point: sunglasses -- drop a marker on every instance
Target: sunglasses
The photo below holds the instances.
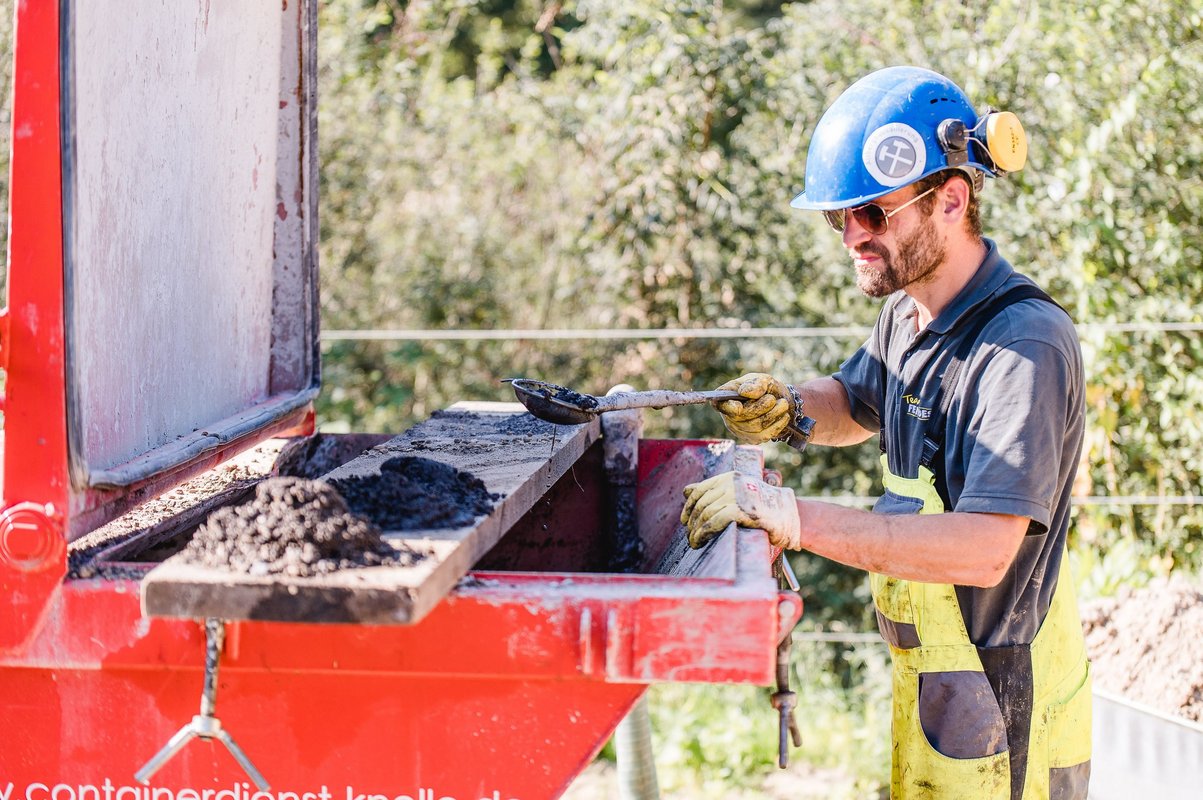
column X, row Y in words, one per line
column 872, row 217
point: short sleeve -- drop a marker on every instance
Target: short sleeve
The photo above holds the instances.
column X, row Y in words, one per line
column 860, row 376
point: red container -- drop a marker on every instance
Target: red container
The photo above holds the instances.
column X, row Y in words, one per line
column 162, row 317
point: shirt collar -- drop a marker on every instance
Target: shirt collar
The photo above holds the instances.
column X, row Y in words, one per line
column 991, row 274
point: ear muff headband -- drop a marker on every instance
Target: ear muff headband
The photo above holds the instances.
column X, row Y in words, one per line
column 1004, row 140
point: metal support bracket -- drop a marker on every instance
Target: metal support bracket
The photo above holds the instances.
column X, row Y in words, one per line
column 785, row 572
column 785, row 700
column 205, row 725
column 621, row 431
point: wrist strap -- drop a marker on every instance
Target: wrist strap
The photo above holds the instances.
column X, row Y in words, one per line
column 798, row 418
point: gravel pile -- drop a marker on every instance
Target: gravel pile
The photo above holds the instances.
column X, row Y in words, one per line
column 412, row 493
column 294, row 527
column 1147, row 646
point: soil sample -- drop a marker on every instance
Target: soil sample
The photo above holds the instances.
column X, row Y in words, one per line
column 148, row 533
column 411, row 493
column 313, row 456
column 293, row 527
column 584, row 402
column 552, row 391
column 1147, row 646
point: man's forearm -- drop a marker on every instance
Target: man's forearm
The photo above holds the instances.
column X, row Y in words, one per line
column 959, row 548
column 826, row 402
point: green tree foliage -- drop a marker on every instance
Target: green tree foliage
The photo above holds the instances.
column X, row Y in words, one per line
column 640, row 177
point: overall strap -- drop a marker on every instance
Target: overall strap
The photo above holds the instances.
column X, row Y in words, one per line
column 887, row 331
column 933, row 437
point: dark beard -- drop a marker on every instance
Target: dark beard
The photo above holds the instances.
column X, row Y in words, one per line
column 919, row 255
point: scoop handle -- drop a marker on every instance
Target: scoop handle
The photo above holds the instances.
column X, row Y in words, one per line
column 659, row 398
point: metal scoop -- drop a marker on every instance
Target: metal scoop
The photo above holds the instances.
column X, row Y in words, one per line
column 553, row 403
column 563, row 406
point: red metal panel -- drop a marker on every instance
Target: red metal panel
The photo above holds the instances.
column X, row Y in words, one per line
column 337, row 736
column 41, row 502
column 653, row 453
column 511, row 685
column 32, row 542
column 638, row 628
column 664, row 471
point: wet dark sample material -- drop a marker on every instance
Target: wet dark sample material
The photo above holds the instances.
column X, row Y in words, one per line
column 585, row 402
column 314, row 456
column 293, row 527
column 562, row 394
column 412, row 493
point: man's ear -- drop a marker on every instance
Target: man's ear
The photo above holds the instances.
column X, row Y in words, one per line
column 952, row 200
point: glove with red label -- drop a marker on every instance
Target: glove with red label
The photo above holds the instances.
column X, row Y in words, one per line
column 713, row 504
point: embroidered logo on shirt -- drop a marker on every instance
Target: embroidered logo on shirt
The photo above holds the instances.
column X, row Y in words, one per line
column 912, row 407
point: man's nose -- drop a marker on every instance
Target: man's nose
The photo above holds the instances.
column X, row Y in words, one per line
column 854, row 232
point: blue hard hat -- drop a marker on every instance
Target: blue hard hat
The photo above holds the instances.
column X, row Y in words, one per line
column 884, row 132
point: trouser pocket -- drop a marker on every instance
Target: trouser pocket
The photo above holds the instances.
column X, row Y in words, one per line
column 959, row 715
column 951, row 741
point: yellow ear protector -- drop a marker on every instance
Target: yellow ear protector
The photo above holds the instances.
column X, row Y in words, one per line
column 999, row 133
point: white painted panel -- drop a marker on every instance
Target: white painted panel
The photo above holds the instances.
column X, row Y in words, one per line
column 174, row 205
column 296, row 225
column 1139, row 752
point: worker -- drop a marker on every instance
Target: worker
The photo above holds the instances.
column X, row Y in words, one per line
column 972, row 377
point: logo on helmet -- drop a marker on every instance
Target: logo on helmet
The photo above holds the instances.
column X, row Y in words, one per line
column 894, row 154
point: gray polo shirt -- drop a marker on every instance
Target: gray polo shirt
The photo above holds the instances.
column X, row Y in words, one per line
column 1013, row 434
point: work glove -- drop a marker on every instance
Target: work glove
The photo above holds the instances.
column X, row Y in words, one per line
column 713, row 504
column 763, row 414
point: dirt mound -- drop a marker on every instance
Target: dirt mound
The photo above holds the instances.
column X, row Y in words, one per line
column 413, row 493
column 314, row 456
column 1147, row 645
column 294, row 527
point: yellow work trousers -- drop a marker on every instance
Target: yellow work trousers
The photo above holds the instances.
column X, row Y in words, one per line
column 959, row 729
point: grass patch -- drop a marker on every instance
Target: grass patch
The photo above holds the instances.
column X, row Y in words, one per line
column 714, row 741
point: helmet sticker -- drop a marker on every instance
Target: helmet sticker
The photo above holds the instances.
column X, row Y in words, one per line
column 894, row 154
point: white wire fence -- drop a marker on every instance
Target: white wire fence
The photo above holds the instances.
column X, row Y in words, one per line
column 807, row 332
column 602, row 334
